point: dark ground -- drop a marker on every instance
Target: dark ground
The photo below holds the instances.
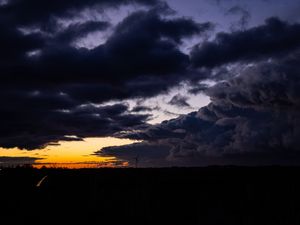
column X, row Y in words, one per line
column 208, row 196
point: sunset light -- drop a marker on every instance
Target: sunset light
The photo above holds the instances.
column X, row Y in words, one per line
column 74, row 154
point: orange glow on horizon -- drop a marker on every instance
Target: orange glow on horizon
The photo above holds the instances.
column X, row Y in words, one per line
column 71, row 154
column 91, row 165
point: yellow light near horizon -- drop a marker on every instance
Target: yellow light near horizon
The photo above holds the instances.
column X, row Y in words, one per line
column 70, row 151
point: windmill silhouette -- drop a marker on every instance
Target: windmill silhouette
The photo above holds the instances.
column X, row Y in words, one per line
column 136, row 159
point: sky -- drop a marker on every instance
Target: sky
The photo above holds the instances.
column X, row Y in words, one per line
column 173, row 83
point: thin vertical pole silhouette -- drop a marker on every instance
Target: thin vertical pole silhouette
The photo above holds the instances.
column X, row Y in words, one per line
column 136, row 161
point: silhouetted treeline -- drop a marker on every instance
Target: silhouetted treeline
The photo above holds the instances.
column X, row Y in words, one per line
column 168, row 196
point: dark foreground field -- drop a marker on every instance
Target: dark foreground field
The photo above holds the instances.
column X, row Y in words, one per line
column 218, row 195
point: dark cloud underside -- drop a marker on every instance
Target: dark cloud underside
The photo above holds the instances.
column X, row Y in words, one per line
column 273, row 39
column 10, row 161
column 252, row 119
column 50, row 95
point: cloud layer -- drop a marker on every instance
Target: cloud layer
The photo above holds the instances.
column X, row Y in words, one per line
column 51, row 89
column 252, row 119
column 15, row 161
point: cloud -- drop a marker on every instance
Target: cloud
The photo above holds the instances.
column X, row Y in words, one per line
column 141, row 108
column 253, row 119
column 51, row 89
column 79, row 30
column 14, row 45
column 270, row 40
column 179, row 101
column 197, row 88
column 9, row 161
column 143, row 44
column 33, row 129
column 148, row 154
column 27, row 12
column 244, row 14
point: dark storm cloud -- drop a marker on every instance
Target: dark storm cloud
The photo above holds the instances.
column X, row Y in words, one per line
column 35, row 128
column 148, row 154
column 6, row 161
column 253, row 119
column 14, row 44
column 48, row 87
column 268, row 86
column 28, row 12
column 36, row 113
column 144, row 43
column 273, row 39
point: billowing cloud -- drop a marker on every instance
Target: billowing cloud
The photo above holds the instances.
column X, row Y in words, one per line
column 253, row 119
column 34, row 129
column 141, row 51
column 270, row 40
column 52, row 90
